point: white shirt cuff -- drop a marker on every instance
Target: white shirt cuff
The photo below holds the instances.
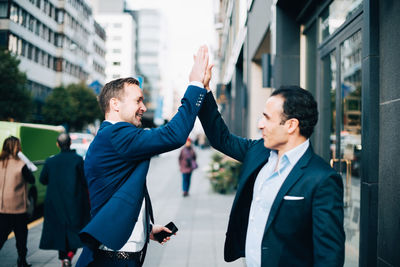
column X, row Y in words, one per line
column 198, row 84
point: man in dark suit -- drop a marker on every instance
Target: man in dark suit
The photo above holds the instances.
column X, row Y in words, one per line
column 288, row 209
column 116, row 166
column 66, row 208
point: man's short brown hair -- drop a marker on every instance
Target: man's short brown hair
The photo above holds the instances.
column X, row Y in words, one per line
column 113, row 89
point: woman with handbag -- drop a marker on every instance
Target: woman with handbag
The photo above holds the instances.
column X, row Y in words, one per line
column 187, row 163
column 14, row 179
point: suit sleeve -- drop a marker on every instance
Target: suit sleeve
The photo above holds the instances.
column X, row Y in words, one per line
column 218, row 133
column 328, row 232
column 137, row 144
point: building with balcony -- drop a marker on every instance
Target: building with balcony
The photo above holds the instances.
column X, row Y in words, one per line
column 52, row 39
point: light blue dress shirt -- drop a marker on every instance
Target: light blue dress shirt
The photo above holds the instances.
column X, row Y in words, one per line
column 266, row 187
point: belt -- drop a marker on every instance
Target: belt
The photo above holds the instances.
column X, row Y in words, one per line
column 122, row 255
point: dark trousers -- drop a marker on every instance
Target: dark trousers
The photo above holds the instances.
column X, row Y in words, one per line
column 186, row 181
column 100, row 261
column 18, row 224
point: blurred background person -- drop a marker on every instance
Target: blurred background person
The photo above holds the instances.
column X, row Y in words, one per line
column 187, row 163
column 66, row 207
column 14, row 179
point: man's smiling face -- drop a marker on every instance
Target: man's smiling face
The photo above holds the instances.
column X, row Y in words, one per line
column 131, row 106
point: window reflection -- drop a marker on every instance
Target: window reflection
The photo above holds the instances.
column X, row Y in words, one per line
column 345, row 131
column 350, row 146
column 335, row 15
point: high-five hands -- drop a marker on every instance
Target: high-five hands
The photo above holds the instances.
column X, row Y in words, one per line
column 207, row 77
column 200, row 65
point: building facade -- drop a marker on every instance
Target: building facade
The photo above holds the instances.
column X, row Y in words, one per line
column 150, row 44
column 346, row 53
column 52, row 39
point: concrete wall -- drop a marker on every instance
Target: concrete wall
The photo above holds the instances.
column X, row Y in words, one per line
column 257, row 100
column 259, row 18
column 389, row 151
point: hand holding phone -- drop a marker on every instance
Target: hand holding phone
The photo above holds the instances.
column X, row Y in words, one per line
column 161, row 235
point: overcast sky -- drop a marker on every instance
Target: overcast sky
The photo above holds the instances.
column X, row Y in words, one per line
column 190, row 23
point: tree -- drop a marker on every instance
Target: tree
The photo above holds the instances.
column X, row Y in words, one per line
column 15, row 100
column 58, row 107
column 84, row 104
column 74, row 106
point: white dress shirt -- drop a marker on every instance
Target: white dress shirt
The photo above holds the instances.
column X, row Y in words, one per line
column 266, row 187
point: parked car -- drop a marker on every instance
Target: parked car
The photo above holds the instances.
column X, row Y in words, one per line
column 38, row 142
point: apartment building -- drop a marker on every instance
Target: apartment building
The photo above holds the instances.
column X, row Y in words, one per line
column 54, row 41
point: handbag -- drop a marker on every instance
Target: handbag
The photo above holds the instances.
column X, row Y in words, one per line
column 194, row 164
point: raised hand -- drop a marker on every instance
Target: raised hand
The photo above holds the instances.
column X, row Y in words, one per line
column 208, row 76
column 200, row 65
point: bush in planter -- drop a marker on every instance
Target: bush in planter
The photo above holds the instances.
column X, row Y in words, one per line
column 224, row 173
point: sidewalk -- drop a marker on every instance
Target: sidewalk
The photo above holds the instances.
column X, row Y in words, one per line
column 201, row 218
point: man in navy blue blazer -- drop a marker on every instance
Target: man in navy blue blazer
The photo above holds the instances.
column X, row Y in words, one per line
column 116, row 166
column 288, row 209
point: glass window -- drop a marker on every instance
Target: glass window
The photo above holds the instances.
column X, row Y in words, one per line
column 19, row 48
column 13, row 13
column 3, row 39
column 23, row 52
column 12, row 43
column 335, row 15
column 341, row 83
column 30, row 49
column 60, row 16
column 3, row 9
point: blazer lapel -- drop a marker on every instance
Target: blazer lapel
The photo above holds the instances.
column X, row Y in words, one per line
column 295, row 174
column 260, row 158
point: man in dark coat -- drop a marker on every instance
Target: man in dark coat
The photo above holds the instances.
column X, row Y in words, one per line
column 66, row 208
column 288, row 208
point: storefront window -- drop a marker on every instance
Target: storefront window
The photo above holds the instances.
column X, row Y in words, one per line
column 342, row 85
column 335, row 15
column 350, row 138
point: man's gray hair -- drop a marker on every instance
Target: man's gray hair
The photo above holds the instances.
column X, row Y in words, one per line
column 64, row 141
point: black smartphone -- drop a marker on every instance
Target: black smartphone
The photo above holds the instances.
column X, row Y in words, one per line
column 161, row 235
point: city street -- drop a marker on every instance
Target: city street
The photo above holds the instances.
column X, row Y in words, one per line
column 201, row 218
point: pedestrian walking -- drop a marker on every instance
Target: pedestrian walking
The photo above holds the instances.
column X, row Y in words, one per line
column 14, row 178
column 66, row 207
column 187, row 163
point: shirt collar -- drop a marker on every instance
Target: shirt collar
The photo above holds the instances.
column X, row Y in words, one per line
column 296, row 153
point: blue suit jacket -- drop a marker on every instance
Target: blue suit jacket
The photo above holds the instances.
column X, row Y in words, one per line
column 116, row 166
column 306, row 232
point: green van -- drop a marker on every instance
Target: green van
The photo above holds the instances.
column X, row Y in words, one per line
column 38, row 142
